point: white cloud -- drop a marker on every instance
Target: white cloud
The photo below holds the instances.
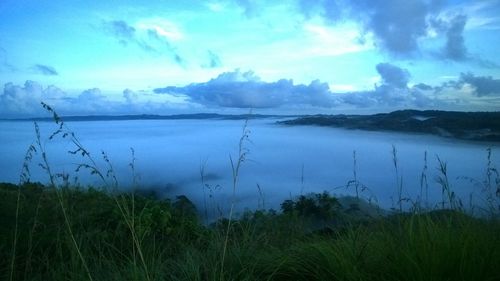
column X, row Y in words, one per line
column 24, row 101
column 216, row 6
column 164, row 28
column 342, row 88
column 481, row 14
column 332, row 41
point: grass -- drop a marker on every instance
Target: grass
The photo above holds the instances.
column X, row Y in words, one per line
column 63, row 232
column 312, row 238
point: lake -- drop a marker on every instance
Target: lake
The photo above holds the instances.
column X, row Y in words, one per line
column 282, row 161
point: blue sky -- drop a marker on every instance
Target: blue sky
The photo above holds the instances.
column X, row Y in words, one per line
column 296, row 56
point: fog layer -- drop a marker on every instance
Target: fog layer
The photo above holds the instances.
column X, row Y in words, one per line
column 282, row 162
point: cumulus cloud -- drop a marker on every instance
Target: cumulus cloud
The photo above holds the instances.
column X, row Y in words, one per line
column 483, row 85
column 45, row 70
column 246, row 90
column 149, row 40
column 91, row 98
column 452, row 28
column 394, row 91
column 478, row 86
column 239, row 89
column 387, row 96
column 26, row 99
column 455, row 44
column 392, row 75
column 397, row 25
column 130, row 96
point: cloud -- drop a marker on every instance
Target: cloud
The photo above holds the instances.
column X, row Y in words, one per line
column 121, row 30
column 392, row 75
column 245, row 90
column 486, row 63
column 26, row 99
column 387, row 96
column 130, row 96
column 151, row 40
column 483, row 85
column 239, row 89
column 309, row 7
column 93, row 94
column 125, row 33
column 394, row 91
column 455, row 44
column 213, row 60
column 162, row 43
column 397, row 25
column 423, row 87
column 45, row 70
column 453, row 27
column 250, row 7
column 329, row 9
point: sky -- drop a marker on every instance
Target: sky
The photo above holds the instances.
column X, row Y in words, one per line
column 230, row 56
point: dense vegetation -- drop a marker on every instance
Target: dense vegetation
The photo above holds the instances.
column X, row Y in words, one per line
column 482, row 126
column 312, row 238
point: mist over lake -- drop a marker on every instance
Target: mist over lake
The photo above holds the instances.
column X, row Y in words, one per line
column 283, row 161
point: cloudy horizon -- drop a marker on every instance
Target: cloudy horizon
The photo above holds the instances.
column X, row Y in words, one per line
column 291, row 57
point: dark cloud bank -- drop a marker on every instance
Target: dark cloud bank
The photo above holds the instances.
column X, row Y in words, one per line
column 483, row 85
column 397, row 25
column 246, row 90
column 239, row 89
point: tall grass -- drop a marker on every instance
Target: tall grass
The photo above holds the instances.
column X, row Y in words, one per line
column 424, row 185
column 25, row 175
column 235, row 169
column 399, row 178
column 45, row 165
column 492, row 184
column 109, row 179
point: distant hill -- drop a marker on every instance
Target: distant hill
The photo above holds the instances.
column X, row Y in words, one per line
column 198, row 116
column 479, row 126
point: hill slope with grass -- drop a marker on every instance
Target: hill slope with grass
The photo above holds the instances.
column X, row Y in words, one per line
column 477, row 126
